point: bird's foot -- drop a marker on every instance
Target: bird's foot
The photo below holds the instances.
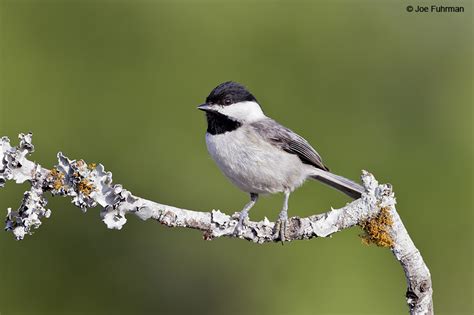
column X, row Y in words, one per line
column 280, row 230
column 240, row 225
column 238, row 229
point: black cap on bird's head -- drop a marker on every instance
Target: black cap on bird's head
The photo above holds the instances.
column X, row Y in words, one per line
column 229, row 93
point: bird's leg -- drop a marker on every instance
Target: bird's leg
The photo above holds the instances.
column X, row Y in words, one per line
column 245, row 213
column 282, row 222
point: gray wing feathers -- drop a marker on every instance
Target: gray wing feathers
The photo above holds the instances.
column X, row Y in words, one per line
column 289, row 141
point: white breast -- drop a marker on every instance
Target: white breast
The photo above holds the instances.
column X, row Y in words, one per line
column 255, row 165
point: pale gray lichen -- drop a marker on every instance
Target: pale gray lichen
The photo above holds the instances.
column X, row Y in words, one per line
column 113, row 218
column 5, row 172
column 14, row 164
column 29, row 214
column 145, row 212
column 264, row 228
column 77, row 179
column 88, row 185
column 120, row 202
column 218, row 217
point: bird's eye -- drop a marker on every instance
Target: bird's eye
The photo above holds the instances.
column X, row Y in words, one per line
column 227, row 101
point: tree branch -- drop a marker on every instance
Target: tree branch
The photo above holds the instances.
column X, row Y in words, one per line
column 90, row 185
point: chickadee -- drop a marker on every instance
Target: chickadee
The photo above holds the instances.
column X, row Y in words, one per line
column 259, row 155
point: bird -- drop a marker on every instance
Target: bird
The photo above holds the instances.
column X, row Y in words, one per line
column 261, row 156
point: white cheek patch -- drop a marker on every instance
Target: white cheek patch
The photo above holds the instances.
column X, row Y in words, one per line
column 243, row 111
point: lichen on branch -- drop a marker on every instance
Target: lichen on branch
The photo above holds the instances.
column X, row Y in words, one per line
column 377, row 229
column 89, row 185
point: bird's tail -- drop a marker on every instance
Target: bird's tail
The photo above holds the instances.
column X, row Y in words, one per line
column 340, row 183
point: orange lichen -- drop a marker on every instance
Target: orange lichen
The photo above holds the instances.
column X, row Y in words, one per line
column 377, row 229
column 85, row 187
column 57, row 178
column 91, row 166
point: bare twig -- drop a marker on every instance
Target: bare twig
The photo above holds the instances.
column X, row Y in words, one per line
column 89, row 185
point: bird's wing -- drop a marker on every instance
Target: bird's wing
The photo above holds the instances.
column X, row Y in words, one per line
column 289, row 141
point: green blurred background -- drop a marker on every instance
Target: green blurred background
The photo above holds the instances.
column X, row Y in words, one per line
column 368, row 84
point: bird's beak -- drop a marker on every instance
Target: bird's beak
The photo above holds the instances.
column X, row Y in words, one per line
column 205, row 107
